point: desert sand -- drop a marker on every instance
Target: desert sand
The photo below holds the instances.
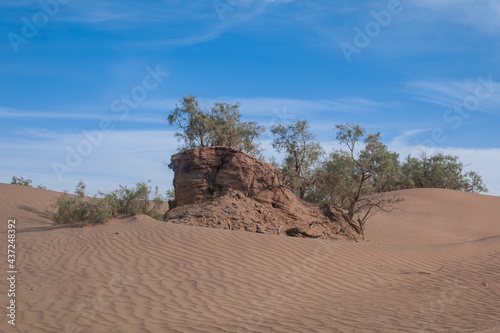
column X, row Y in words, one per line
column 431, row 266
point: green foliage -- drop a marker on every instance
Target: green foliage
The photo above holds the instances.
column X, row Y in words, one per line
column 75, row 209
column 382, row 164
column 170, row 195
column 303, row 156
column 155, row 211
column 440, row 171
column 131, row 201
column 25, row 182
column 193, row 121
column 364, row 155
column 353, row 177
column 21, row 181
column 338, row 179
column 219, row 125
column 80, row 189
column 134, row 201
column 172, row 203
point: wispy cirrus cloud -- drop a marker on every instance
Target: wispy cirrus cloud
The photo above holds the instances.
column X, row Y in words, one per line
column 264, row 106
column 140, row 115
column 268, row 111
column 482, row 14
column 449, row 93
column 426, row 26
column 169, row 18
column 17, row 113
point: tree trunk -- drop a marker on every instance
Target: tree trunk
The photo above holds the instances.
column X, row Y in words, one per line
column 355, row 200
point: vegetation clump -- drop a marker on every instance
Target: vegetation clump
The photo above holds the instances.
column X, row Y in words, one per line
column 354, row 178
column 217, row 125
column 25, row 182
column 80, row 208
column 351, row 180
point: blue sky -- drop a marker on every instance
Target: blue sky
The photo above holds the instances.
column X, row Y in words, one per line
column 87, row 85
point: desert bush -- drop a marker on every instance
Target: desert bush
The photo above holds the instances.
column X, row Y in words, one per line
column 135, row 200
column 80, row 208
column 77, row 209
column 25, row 182
column 171, row 199
column 157, row 203
column 21, row 181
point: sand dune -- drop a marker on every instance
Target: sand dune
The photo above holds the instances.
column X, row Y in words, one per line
column 431, row 266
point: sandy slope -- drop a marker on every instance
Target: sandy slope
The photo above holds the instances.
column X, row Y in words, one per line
column 432, row 266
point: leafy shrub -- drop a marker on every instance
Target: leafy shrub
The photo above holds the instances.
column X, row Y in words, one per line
column 130, row 201
column 25, row 182
column 135, row 201
column 21, row 181
column 172, row 203
column 77, row 209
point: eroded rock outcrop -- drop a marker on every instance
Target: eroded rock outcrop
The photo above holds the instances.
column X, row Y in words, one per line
column 225, row 188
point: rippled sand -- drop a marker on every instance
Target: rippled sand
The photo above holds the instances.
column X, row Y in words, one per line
column 431, row 266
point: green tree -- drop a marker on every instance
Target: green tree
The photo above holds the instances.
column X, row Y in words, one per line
column 440, row 171
column 353, row 177
column 303, row 155
column 219, row 125
column 474, row 183
column 25, row 182
column 384, row 165
column 193, row 122
column 21, row 181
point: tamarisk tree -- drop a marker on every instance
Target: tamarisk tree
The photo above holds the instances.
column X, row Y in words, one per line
column 217, row 125
column 303, row 155
column 353, row 177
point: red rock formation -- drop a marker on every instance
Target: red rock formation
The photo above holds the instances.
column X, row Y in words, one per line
column 225, row 188
column 204, row 173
